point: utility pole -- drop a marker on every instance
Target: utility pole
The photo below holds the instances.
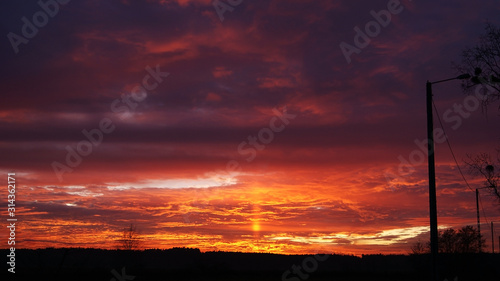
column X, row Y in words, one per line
column 492, row 239
column 478, row 222
column 432, row 184
column 432, row 175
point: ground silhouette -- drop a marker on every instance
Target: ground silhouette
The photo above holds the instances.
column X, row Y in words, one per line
column 191, row 264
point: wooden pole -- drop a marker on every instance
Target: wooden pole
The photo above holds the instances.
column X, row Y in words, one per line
column 492, row 239
column 478, row 221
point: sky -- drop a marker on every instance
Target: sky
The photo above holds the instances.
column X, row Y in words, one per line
column 288, row 127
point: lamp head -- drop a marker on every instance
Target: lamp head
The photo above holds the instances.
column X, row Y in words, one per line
column 463, row 76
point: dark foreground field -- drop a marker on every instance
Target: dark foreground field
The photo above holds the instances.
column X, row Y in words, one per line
column 190, row 264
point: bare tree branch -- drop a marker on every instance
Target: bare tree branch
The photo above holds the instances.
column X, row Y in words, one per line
column 130, row 238
column 481, row 165
column 485, row 56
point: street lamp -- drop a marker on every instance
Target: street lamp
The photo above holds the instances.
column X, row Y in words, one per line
column 432, row 173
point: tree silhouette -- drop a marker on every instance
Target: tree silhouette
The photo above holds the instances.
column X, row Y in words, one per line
column 469, row 240
column 465, row 240
column 481, row 165
column 483, row 61
column 448, row 241
column 130, row 238
column 419, row 248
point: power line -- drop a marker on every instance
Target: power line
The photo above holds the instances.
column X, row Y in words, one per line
column 455, row 159
column 451, row 150
column 481, row 204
